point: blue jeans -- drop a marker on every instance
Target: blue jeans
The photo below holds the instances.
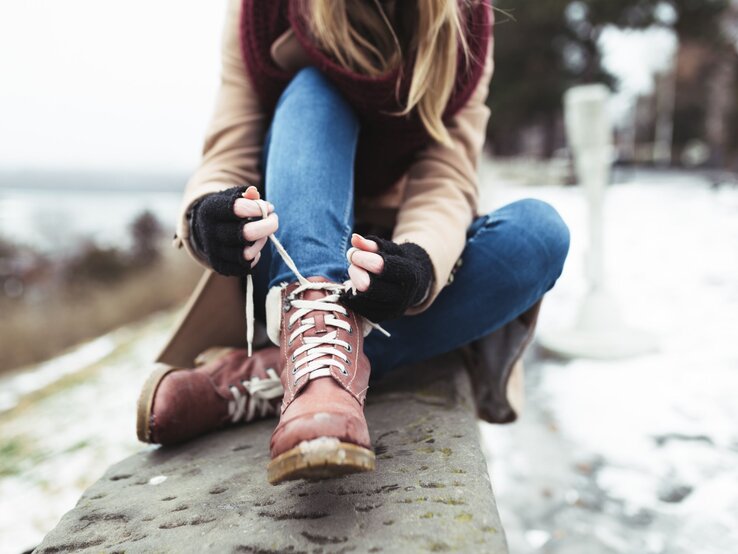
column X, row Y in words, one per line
column 512, row 255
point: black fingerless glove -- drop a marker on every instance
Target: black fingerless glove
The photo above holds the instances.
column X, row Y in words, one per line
column 217, row 232
column 404, row 282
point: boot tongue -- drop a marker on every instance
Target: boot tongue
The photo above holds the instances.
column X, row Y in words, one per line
column 316, row 294
column 312, row 294
column 319, row 316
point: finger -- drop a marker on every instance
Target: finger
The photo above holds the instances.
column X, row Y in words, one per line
column 250, row 252
column 256, row 259
column 256, row 230
column 252, row 193
column 243, row 207
column 359, row 278
column 364, row 244
column 373, row 263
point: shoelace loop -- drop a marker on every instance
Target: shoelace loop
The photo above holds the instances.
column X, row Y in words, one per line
column 258, row 399
column 332, row 299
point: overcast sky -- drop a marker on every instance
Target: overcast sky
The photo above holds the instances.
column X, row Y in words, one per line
column 129, row 84
column 107, row 84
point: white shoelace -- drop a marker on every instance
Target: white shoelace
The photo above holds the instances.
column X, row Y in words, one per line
column 319, row 347
column 319, row 350
column 259, row 397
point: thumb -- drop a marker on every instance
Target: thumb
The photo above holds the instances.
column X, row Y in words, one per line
column 252, row 193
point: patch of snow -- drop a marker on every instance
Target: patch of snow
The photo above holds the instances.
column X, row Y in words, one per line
column 537, row 538
column 318, row 445
column 27, row 381
column 67, row 440
column 649, row 445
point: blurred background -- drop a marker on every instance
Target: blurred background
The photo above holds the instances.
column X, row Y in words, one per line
column 103, row 106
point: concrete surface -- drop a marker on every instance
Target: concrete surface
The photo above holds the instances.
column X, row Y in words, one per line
column 430, row 493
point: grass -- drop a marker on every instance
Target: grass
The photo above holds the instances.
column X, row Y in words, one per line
column 33, row 333
column 16, row 455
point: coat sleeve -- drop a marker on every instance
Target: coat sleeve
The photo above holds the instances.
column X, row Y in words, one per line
column 233, row 143
column 441, row 191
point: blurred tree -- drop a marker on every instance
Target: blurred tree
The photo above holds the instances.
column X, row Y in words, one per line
column 95, row 263
column 20, row 266
column 706, row 78
column 146, row 232
column 543, row 48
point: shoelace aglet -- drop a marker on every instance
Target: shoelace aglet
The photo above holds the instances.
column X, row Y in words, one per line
column 379, row 328
column 249, row 314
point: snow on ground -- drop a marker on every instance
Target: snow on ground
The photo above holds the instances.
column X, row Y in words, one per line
column 635, row 456
column 57, row 442
column 34, row 379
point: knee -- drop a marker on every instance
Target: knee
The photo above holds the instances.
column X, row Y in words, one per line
column 541, row 233
column 543, row 221
column 310, row 89
column 308, row 78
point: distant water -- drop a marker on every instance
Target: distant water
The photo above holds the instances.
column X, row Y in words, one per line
column 54, row 212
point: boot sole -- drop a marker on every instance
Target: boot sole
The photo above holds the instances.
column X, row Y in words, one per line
column 146, row 402
column 322, row 458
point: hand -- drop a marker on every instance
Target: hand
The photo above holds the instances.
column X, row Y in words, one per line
column 364, row 261
column 229, row 230
column 387, row 278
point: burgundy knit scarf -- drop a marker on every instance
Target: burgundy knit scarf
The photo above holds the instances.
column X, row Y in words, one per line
column 387, row 144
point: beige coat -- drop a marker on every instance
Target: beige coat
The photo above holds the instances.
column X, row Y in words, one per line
column 432, row 205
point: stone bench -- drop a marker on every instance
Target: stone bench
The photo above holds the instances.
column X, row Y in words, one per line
column 430, row 492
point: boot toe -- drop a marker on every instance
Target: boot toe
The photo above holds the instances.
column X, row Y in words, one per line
column 345, row 427
column 174, row 415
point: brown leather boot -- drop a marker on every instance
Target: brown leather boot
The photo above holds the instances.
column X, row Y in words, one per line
column 322, row 431
column 228, row 387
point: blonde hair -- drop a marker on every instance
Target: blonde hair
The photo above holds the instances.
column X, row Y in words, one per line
column 359, row 34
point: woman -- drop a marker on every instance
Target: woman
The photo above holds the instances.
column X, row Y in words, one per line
column 350, row 116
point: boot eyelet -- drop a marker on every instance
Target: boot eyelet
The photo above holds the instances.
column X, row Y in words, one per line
column 293, row 358
column 294, row 370
column 348, row 361
column 348, row 348
column 344, row 371
column 350, row 330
